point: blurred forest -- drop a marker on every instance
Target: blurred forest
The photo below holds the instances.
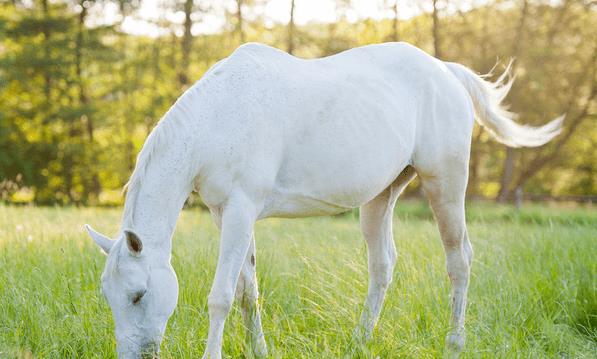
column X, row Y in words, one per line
column 78, row 97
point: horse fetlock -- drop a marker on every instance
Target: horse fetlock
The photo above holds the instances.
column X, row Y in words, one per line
column 364, row 330
column 259, row 346
column 455, row 340
column 361, row 334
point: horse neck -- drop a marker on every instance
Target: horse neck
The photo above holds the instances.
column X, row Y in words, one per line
column 159, row 195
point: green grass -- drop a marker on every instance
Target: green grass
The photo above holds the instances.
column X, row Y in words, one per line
column 532, row 293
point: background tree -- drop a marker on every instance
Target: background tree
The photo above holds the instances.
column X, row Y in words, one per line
column 508, row 167
column 239, row 21
column 436, row 30
column 77, row 98
column 186, row 42
column 291, row 29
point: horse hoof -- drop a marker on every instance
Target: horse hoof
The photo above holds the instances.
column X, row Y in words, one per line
column 455, row 342
column 360, row 335
column 260, row 349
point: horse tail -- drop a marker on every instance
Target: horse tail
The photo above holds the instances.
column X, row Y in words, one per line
column 490, row 113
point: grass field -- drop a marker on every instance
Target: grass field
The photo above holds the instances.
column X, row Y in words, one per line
column 533, row 292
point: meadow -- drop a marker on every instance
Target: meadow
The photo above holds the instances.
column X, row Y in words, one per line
column 532, row 295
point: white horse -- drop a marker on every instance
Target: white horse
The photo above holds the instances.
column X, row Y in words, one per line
column 265, row 134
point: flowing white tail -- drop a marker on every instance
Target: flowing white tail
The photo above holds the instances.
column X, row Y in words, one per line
column 492, row 115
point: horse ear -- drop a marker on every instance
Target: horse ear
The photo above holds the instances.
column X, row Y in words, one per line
column 102, row 241
column 133, row 242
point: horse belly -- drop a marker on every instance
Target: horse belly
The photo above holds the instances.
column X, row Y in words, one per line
column 326, row 180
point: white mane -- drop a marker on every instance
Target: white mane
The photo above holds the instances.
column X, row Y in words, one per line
column 163, row 134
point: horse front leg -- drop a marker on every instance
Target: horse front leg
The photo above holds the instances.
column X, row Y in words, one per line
column 238, row 218
column 247, row 295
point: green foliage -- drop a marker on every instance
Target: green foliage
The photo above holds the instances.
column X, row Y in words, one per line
column 77, row 101
column 532, row 292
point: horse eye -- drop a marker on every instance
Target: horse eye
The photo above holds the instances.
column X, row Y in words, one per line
column 137, row 297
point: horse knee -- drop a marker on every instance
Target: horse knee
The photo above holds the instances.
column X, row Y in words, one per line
column 219, row 305
column 382, row 272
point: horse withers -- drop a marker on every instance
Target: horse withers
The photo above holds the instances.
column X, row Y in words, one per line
column 265, row 134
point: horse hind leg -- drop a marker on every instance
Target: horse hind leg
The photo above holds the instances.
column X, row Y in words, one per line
column 445, row 190
column 376, row 224
column 247, row 295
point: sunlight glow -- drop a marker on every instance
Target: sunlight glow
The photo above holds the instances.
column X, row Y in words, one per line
column 152, row 13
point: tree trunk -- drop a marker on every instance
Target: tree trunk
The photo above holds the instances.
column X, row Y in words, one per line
column 186, row 43
column 558, row 22
column 47, row 54
column 291, row 29
column 436, row 36
column 239, row 21
column 518, row 39
column 94, row 187
column 507, row 174
column 128, row 125
column 395, row 36
column 128, row 128
column 508, row 167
